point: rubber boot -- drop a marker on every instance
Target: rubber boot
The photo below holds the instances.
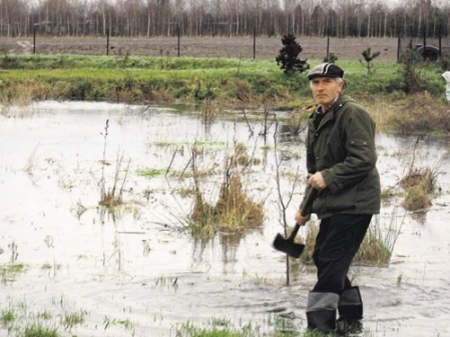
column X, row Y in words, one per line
column 321, row 311
column 323, row 321
column 350, row 305
column 350, row 309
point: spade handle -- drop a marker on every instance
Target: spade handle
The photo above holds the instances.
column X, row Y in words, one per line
column 309, row 199
column 294, row 232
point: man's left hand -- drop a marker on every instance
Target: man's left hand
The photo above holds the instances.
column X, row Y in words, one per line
column 317, row 181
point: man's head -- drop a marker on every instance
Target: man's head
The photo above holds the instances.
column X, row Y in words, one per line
column 326, row 83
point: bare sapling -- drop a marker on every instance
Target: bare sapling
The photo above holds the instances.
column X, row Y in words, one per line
column 283, row 203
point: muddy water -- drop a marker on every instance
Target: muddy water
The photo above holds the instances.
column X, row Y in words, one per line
column 136, row 266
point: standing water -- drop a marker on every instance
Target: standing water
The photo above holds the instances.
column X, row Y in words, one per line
column 136, row 271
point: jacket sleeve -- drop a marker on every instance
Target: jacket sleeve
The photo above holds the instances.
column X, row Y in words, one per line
column 360, row 153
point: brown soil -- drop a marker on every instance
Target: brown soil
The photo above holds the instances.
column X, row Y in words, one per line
column 266, row 48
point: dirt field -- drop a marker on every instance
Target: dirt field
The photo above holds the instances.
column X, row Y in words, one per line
column 266, row 48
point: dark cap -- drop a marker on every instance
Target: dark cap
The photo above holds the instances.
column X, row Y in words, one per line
column 325, row 70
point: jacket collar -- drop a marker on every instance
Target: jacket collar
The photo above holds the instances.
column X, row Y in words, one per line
column 331, row 113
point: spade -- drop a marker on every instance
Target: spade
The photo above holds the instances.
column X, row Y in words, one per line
column 288, row 245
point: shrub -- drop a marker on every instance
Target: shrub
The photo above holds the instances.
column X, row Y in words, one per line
column 330, row 58
column 368, row 58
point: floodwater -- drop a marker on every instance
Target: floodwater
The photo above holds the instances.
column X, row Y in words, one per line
column 136, row 273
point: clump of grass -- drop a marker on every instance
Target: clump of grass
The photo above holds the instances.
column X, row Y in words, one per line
column 233, row 211
column 126, row 323
column 71, row 319
column 38, row 330
column 416, row 198
column 423, row 176
column 419, row 183
column 7, row 318
column 377, row 246
column 150, row 173
column 387, row 193
column 221, row 330
column 112, row 196
column 9, row 272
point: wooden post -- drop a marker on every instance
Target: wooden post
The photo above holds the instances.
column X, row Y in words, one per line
column 107, row 42
column 178, row 40
column 328, row 46
column 424, row 38
column 254, row 42
column 399, row 46
column 440, row 40
column 34, row 39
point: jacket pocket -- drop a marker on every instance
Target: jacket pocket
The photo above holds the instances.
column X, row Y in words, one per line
column 344, row 200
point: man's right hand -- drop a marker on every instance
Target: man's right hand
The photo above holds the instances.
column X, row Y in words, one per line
column 300, row 218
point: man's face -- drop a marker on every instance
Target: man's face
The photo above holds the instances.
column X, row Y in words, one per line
column 325, row 90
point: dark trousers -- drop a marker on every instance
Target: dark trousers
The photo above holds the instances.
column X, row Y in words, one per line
column 336, row 244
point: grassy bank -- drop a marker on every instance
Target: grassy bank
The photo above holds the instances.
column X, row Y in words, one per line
column 226, row 82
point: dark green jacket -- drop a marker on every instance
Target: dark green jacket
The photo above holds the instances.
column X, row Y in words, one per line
column 343, row 149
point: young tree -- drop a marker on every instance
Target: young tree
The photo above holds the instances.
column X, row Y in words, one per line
column 288, row 58
column 368, row 58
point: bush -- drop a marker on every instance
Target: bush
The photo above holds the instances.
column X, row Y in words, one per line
column 330, row 58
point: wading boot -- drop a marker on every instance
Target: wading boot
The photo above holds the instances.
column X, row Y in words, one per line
column 321, row 311
column 350, row 309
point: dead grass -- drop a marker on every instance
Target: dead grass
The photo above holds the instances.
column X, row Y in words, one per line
column 233, row 211
column 111, row 197
column 420, row 113
column 419, row 184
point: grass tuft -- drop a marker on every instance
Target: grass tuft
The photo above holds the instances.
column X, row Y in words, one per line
column 233, row 211
column 38, row 330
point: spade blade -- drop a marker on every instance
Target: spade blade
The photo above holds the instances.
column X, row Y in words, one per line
column 288, row 246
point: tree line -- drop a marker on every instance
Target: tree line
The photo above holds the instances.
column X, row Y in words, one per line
column 340, row 18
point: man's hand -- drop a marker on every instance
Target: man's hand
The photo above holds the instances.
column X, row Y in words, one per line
column 300, row 219
column 317, row 181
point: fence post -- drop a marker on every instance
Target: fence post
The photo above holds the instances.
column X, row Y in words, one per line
column 178, row 40
column 34, row 39
column 440, row 40
column 107, row 42
column 328, row 46
column 254, row 42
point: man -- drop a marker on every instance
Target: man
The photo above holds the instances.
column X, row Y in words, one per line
column 341, row 167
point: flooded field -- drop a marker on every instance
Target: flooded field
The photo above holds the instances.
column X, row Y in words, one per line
column 68, row 264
